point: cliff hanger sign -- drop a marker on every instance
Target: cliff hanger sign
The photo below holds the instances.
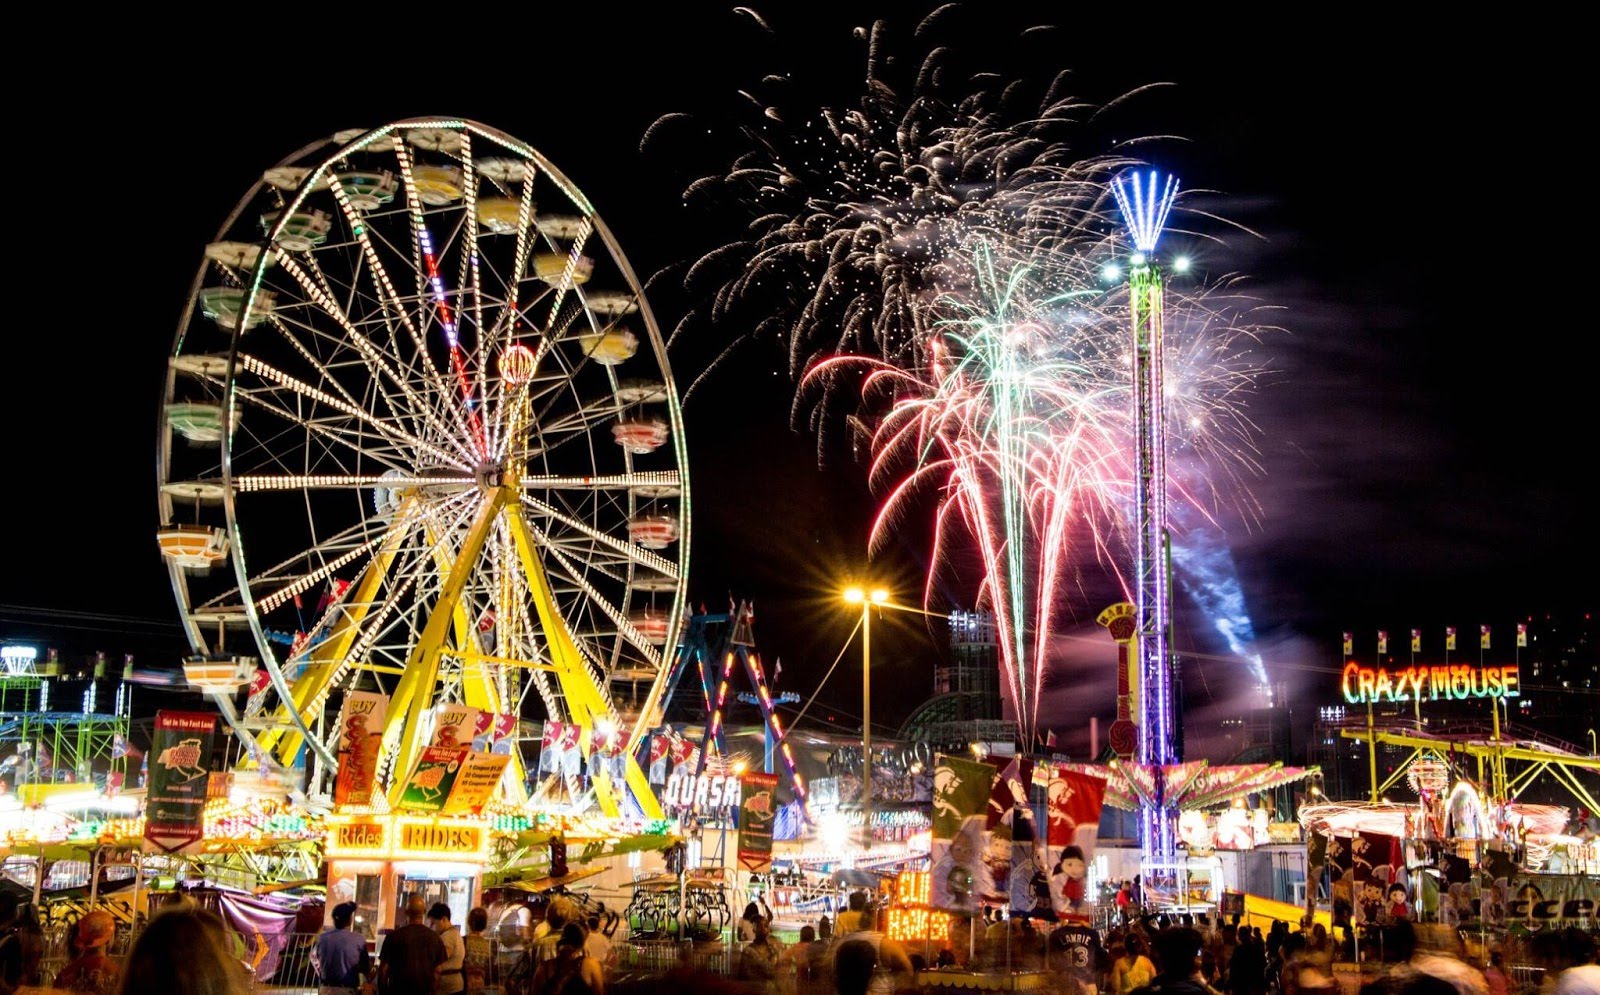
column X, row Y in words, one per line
column 1452, row 682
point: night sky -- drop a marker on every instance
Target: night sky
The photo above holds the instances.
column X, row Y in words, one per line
column 1428, row 432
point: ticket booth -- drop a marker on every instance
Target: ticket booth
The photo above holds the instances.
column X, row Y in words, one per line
column 379, row 861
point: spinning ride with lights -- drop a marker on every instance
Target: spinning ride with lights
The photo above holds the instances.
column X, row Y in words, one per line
column 420, row 437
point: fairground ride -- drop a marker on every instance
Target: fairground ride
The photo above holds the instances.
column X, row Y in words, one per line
column 419, row 424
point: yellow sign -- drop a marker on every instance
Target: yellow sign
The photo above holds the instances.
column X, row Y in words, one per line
column 409, row 838
column 359, row 839
column 435, row 840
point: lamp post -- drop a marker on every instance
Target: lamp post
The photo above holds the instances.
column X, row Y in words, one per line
column 859, row 596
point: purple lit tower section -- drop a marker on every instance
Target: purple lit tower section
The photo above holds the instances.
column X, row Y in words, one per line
column 1144, row 200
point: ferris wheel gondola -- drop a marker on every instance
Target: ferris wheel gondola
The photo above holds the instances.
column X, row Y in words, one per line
column 425, row 447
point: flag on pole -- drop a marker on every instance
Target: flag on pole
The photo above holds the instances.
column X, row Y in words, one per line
column 1050, row 736
column 1522, row 634
column 1483, row 637
column 1383, row 642
column 1416, row 640
column 1449, row 637
column 1349, row 643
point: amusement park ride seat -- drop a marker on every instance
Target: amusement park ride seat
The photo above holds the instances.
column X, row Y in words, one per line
column 193, row 547
column 218, row 671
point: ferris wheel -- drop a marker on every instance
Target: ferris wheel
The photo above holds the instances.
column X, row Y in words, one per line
column 420, row 437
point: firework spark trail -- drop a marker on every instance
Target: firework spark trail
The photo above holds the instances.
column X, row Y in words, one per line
column 1009, row 396
column 861, row 217
column 1024, row 438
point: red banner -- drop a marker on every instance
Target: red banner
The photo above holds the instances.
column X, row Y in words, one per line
column 1075, row 801
column 361, row 725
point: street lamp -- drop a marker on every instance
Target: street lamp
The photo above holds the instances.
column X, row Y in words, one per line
column 866, row 599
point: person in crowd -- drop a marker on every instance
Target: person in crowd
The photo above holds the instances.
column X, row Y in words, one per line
column 21, row 950
column 1133, row 969
column 570, row 971
column 805, row 958
column 183, row 951
column 91, row 970
column 1247, row 971
column 1581, row 976
column 477, row 960
column 1425, row 964
column 1178, row 949
column 855, row 965
column 342, row 959
column 824, row 928
column 854, row 919
column 891, row 966
column 598, row 946
column 408, row 963
column 748, row 920
column 452, row 973
column 557, row 915
column 1495, row 976
column 760, row 959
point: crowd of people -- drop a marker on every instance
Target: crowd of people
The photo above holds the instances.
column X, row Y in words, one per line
column 1158, row 955
column 185, row 949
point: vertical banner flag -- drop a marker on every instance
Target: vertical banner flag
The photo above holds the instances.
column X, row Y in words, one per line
column 1522, row 634
column 476, row 781
column 434, row 777
column 1383, row 642
column 1483, row 637
column 758, row 807
column 1012, row 835
column 549, row 747
column 492, row 732
column 454, row 725
column 1416, row 640
column 960, row 878
column 1449, row 637
column 1349, row 643
column 361, row 732
column 175, row 804
column 1075, row 801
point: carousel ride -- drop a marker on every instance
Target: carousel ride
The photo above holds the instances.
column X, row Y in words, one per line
column 421, row 444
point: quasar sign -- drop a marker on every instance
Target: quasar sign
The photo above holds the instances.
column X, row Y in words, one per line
column 707, row 793
column 1452, row 682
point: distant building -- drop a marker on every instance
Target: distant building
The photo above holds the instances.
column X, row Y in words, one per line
column 966, row 706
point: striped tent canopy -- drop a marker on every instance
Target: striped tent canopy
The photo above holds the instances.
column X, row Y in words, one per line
column 1193, row 785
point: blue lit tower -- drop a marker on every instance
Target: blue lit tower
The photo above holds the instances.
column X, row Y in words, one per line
column 1144, row 200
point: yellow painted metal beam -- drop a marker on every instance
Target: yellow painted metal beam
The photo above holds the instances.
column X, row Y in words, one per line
column 477, row 689
column 1479, row 748
column 422, row 666
column 584, row 699
column 325, row 657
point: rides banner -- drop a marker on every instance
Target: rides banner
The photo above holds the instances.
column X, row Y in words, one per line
column 180, row 762
column 758, row 807
column 361, row 730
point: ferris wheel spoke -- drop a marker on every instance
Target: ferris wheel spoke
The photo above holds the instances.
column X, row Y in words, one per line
column 636, row 554
column 305, row 391
column 374, row 362
column 389, row 298
column 614, row 481
column 332, row 437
